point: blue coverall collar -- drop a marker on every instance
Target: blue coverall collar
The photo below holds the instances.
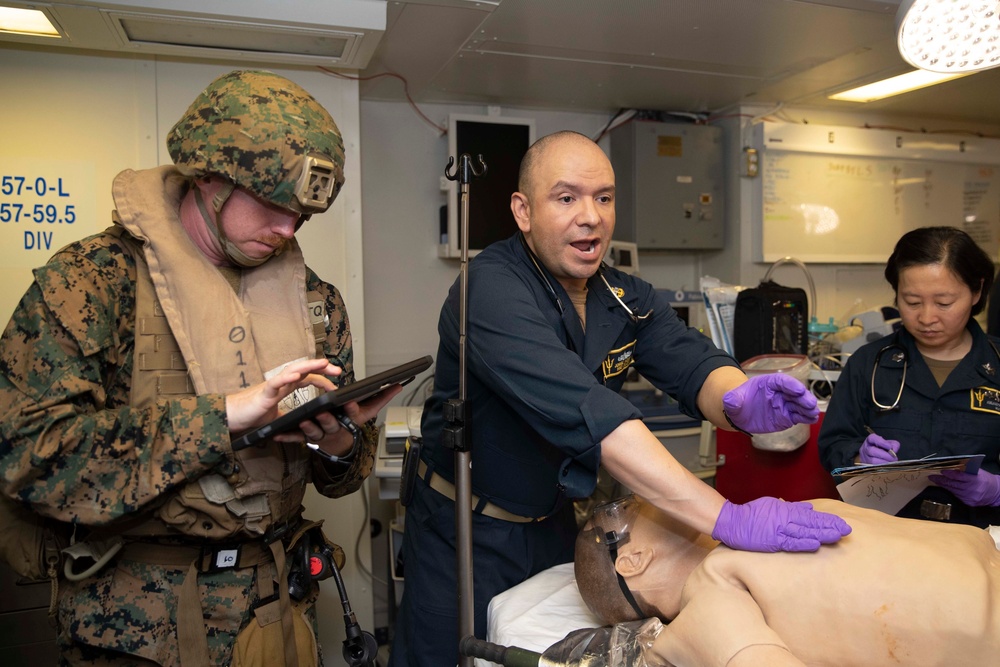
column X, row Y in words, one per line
column 981, row 361
column 592, row 346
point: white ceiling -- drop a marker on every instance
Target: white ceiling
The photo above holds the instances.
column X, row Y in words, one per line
column 696, row 56
column 334, row 33
column 688, row 56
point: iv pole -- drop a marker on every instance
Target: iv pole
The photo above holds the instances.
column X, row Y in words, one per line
column 455, row 434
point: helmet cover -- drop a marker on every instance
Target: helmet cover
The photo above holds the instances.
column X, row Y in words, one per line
column 267, row 135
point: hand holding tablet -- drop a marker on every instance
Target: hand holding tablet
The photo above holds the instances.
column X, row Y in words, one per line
column 333, row 402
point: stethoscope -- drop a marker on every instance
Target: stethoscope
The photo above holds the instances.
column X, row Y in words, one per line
column 555, row 297
column 899, row 354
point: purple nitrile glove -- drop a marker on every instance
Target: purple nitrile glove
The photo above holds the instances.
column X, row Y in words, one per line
column 770, row 403
column 877, row 449
column 769, row 524
column 979, row 490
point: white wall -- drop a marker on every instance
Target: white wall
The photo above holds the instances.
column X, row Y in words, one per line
column 86, row 117
column 403, row 159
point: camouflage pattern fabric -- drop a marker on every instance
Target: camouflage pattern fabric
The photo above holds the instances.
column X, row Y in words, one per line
column 139, row 597
column 256, row 128
column 72, row 449
column 138, row 600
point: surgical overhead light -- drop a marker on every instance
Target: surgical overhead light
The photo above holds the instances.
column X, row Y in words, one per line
column 949, row 36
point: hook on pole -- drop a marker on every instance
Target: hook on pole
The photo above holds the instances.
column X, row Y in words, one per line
column 466, row 170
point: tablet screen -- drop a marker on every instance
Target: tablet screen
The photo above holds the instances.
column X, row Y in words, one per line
column 332, row 401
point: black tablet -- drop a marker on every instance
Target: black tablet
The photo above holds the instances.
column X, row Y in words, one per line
column 331, row 401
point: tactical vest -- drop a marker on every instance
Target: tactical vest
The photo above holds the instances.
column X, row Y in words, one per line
column 264, row 485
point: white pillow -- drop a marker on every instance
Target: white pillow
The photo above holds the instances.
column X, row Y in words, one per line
column 538, row 612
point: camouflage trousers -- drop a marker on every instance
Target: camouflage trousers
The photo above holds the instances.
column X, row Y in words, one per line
column 127, row 614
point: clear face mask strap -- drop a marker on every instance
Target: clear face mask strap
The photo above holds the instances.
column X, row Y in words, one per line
column 612, row 540
column 617, row 509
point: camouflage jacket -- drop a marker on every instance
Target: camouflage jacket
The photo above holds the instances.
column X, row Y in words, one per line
column 71, row 447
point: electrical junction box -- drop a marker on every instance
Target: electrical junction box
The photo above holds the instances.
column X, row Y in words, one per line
column 669, row 181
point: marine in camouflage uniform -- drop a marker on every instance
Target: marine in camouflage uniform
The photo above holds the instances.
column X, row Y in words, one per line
column 76, row 447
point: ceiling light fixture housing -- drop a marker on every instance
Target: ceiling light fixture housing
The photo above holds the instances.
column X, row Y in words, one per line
column 949, row 35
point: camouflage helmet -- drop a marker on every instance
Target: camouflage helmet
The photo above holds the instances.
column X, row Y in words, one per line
column 265, row 134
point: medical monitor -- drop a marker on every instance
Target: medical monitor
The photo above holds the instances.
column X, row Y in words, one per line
column 502, row 142
column 624, row 256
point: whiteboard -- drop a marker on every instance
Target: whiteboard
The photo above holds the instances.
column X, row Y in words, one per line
column 839, row 203
column 824, row 208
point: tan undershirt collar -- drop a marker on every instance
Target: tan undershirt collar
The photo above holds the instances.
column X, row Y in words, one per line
column 579, row 299
column 941, row 369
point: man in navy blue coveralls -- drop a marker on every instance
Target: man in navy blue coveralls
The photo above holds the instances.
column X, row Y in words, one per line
column 551, row 333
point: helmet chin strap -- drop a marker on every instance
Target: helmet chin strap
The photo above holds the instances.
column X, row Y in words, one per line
column 233, row 254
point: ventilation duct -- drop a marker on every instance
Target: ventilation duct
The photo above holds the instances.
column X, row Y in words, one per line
column 333, row 33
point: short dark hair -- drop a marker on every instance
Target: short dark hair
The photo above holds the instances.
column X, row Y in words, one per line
column 597, row 580
column 950, row 247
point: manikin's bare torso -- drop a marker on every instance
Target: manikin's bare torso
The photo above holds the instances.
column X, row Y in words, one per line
column 893, row 592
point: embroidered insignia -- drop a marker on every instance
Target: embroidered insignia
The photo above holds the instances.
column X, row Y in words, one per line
column 618, row 361
column 985, row 399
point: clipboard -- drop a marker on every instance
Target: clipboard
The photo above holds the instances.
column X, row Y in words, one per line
column 333, row 401
column 967, row 462
column 889, row 486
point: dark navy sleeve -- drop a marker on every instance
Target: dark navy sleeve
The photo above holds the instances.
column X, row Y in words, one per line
column 843, row 429
column 674, row 357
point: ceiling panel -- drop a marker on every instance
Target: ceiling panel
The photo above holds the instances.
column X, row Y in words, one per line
column 671, row 55
column 696, row 56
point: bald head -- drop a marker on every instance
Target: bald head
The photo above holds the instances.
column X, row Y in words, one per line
column 596, row 579
column 565, row 205
column 527, row 173
column 654, row 560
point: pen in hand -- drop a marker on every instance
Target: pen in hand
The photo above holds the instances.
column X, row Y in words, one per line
column 871, row 431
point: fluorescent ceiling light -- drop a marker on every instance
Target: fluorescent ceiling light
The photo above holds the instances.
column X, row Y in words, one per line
column 949, row 35
column 26, row 22
column 896, row 85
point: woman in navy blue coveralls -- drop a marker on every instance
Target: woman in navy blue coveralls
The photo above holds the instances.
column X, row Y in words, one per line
column 949, row 403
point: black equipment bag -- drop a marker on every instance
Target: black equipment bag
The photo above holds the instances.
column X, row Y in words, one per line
column 770, row 319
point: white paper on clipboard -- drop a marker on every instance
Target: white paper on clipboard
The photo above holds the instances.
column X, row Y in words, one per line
column 888, row 487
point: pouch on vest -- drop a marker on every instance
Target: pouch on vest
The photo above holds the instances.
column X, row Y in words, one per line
column 262, row 642
column 770, row 319
column 265, row 641
column 32, row 545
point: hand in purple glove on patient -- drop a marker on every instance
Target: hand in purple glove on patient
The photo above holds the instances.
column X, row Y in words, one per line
column 877, row 449
column 979, row 490
column 770, row 403
column 769, row 524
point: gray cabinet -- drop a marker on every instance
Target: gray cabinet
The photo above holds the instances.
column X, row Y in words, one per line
column 669, row 181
